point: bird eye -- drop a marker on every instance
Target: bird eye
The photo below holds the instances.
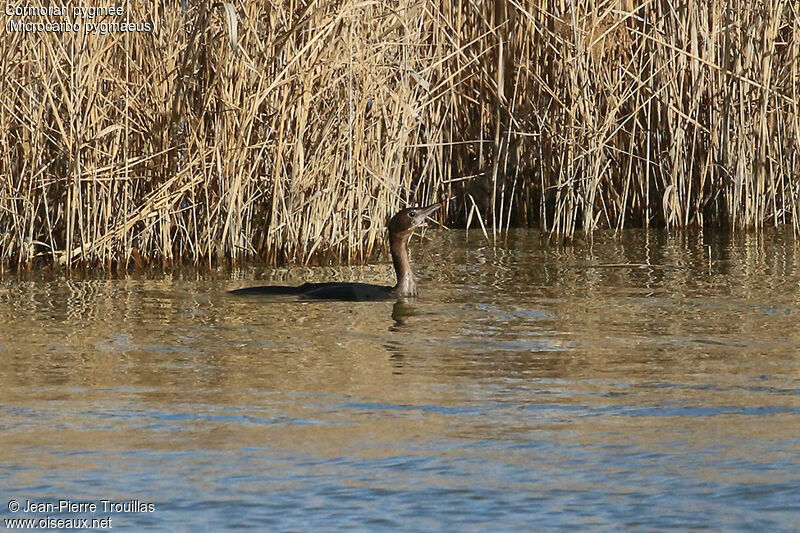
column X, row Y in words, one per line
column 412, row 214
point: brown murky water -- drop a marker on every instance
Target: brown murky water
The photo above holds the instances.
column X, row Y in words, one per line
column 523, row 389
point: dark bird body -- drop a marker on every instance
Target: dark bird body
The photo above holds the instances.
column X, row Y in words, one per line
column 401, row 226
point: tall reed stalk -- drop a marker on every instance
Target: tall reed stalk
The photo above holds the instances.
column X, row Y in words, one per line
column 303, row 132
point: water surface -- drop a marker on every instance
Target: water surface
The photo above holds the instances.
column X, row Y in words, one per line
column 529, row 387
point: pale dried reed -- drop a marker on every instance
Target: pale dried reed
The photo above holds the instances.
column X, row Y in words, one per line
column 294, row 129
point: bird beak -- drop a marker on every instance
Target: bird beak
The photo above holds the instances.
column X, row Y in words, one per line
column 425, row 212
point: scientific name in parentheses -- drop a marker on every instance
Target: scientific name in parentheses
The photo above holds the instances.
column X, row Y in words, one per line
column 107, row 506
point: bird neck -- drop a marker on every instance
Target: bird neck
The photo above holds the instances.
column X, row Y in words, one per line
column 398, row 243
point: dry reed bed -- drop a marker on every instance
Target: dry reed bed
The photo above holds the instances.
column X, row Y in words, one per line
column 569, row 115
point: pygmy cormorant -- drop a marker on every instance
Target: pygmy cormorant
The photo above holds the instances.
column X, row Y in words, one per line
column 401, row 226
